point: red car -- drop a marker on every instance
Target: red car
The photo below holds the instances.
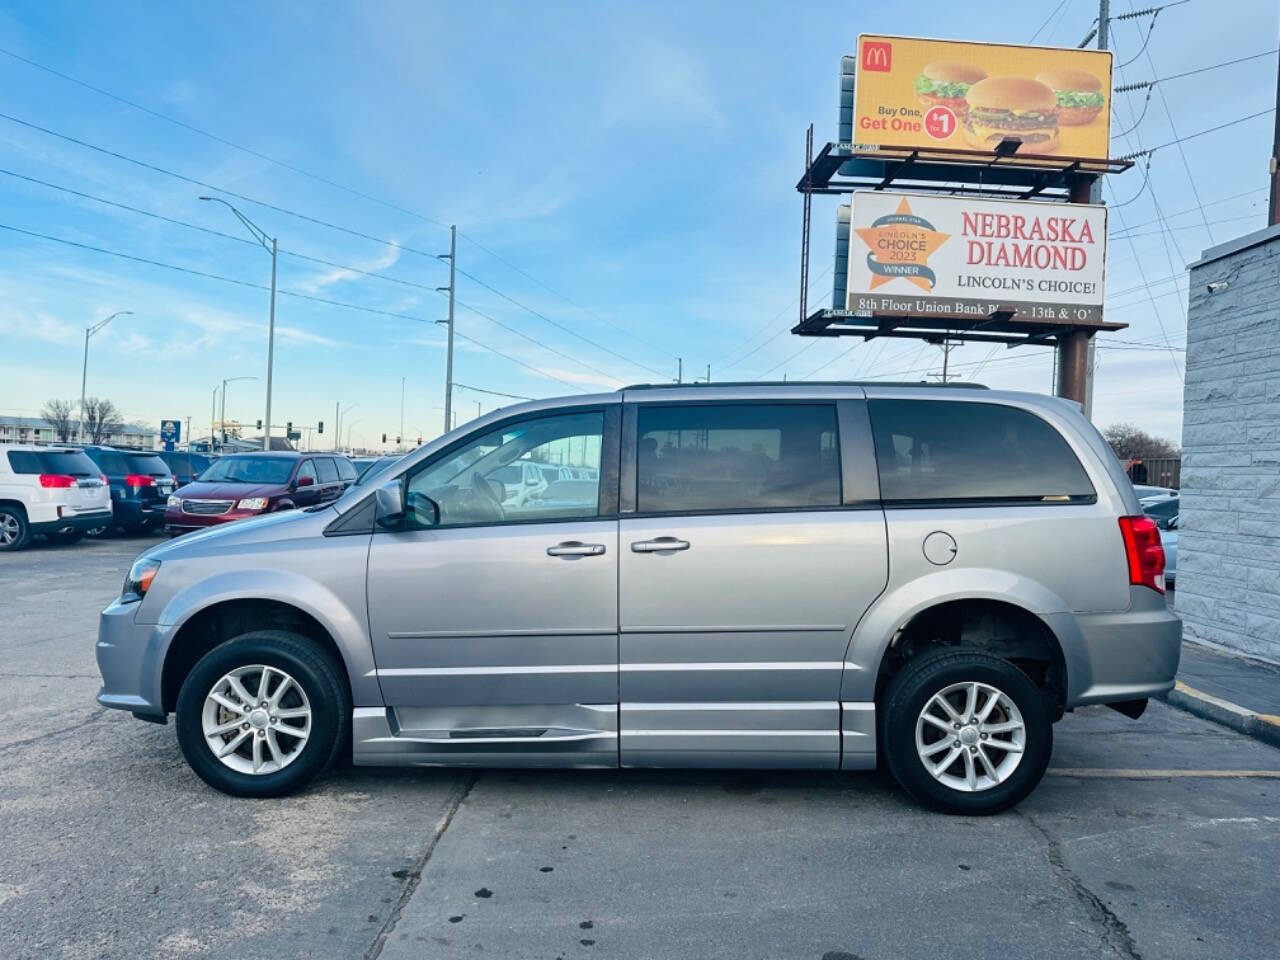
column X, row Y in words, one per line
column 248, row 484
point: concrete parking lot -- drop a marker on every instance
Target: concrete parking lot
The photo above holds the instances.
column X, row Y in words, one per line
column 1155, row 838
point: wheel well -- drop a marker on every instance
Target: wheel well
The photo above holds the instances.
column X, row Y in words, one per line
column 14, row 503
column 999, row 628
column 223, row 621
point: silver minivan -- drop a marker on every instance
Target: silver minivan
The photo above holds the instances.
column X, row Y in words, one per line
column 782, row 576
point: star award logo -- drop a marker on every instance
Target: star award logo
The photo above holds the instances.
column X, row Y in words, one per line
column 901, row 244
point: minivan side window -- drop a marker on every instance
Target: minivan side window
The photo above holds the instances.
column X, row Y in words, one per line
column 492, row 478
column 346, row 469
column 741, row 456
column 938, row 450
column 327, row 471
column 307, row 470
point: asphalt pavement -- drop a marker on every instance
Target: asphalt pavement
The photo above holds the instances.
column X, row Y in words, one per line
column 1154, row 838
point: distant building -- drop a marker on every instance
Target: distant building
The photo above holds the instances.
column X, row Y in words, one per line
column 1229, row 528
column 39, row 430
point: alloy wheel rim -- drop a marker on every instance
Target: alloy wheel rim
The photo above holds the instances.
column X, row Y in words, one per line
column 8, row 528
column 970, row 736
column 256, row 719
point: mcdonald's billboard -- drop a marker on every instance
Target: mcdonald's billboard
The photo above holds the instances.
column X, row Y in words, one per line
column 948, row 94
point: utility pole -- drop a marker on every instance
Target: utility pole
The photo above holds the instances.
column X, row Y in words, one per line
column 337, row 425
column 401, row 433
column 261, row 236
column 679, row 370
column 452, row 256
column 1095, row 196
column 708, row 373
column 213, row 407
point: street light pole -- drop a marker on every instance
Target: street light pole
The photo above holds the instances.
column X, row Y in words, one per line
column 261, row 236
column 401, row 436
column 84, row 370
column 213, row 406
column 223, row 418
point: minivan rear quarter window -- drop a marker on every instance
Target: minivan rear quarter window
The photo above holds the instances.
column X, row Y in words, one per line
column 930, row 451
column 710, row 457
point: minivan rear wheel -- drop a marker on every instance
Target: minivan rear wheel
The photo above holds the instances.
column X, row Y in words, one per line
column 263, row 714
column 965, row 732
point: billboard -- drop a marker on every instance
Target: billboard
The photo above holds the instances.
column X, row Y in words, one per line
column 959, row 258
column 170, row 433
column 946, row 95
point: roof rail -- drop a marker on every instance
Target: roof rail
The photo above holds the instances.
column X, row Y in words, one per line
column 958, row 385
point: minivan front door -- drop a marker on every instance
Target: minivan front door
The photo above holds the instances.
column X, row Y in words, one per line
column 741, row 579
column 494, row 624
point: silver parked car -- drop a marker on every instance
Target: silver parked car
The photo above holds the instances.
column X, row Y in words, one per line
column 802, row 575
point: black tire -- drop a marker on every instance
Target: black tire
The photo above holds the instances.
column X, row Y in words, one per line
column 15, row 532
column 310, row 667
column 906, row 697
column 67, row 538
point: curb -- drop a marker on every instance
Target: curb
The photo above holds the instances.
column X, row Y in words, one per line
column 1259, row 726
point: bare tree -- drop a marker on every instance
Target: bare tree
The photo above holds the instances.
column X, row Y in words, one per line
column 58, row 413
column 1129, row 441
column 101, row 419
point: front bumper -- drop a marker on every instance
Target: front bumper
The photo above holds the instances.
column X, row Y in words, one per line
column 131, row 660
column 1121, row 656
column 72, row 522
column 175, row 521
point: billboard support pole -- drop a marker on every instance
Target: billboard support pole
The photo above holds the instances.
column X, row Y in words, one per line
column 804, row 234
column 1075, row 349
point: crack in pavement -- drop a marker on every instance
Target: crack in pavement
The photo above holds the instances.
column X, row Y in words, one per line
column 1115, row 933
column 414, row 877
column 92, row 718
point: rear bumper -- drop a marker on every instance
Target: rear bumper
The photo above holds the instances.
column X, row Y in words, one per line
column 73, row 522
column 132, row 513
column 130, row 659
column 1121, row 656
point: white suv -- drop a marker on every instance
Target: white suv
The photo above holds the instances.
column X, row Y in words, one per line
column 55, row 491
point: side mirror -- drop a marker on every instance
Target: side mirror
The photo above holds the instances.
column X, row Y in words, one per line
column 306, row 481
column 388, row 511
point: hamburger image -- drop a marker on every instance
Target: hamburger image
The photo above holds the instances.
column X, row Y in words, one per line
column 1079, row 95
column 1020, row 107
column 945, row 83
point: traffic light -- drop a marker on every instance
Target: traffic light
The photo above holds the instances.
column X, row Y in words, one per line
column 419, row 441
column 288, row 427
column 259, row 424
column 320, row 427
column 384, row 438
column 397, row 441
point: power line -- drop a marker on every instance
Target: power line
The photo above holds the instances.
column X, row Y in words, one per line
column 1192, row 136
column 724, row 364
column 223, row 140
column 591, row 313
column 1052, row 14
column 304, row 217
column 492, row 393
column 1141, row 85
column 284, row 293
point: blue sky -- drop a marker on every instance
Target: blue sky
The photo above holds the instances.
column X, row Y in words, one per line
column 631, row 165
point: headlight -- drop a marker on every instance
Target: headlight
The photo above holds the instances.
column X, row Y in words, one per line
column 252, row 503
column 138, row 582
column 173, row 501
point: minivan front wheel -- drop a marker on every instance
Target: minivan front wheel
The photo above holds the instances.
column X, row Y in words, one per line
column 965, row 732
column 262, row 714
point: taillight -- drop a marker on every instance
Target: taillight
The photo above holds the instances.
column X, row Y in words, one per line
column 57, row 480
column 1144, row 552
column 103, row 478
column 138, row 480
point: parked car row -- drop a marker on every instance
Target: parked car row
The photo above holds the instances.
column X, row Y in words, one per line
column 64, row 492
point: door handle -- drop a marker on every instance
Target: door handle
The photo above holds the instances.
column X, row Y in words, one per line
column 659, row 545
column 575, row 548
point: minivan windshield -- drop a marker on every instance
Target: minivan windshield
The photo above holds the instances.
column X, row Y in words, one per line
column 248, row 469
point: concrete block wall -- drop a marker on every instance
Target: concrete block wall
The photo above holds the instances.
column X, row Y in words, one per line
column 1228, row 589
